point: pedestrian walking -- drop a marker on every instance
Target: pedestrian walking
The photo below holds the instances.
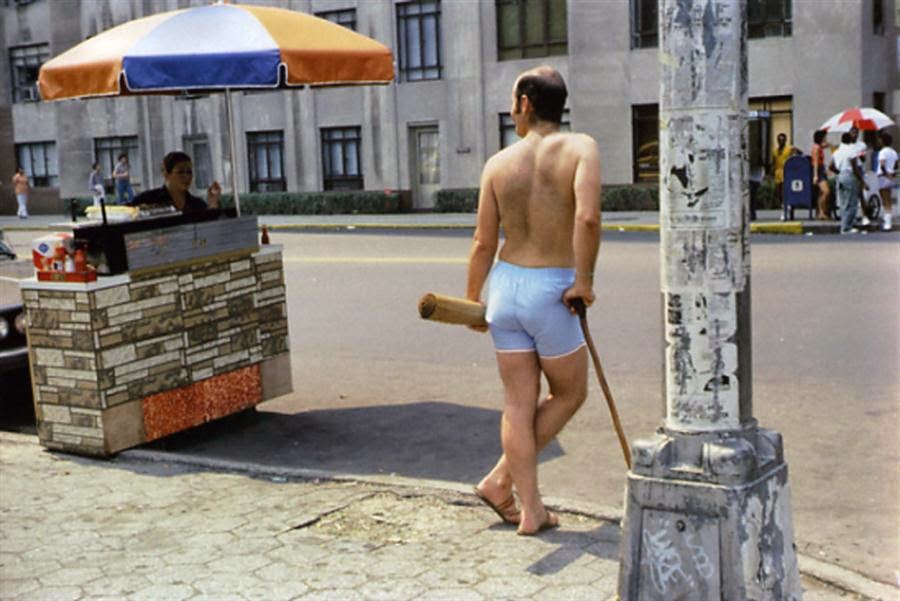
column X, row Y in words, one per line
column 861, row 150
column 124, row 191
column 20, row 184
column 887, row 169
column 845, row 163
column 95, row 184
column 820, row 176
column 544, row 191
column 780, row 155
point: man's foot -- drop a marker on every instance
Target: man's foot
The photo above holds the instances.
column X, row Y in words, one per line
column 505, row 509
column 551, row 520
column 865, row 221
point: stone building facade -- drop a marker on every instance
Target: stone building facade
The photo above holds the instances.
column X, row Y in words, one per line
column 447, row 110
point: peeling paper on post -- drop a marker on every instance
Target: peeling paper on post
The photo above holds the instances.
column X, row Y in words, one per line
column 702, row 359
column 703, row 172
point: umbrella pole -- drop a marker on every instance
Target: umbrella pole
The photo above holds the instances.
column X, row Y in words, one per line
column 229, row 114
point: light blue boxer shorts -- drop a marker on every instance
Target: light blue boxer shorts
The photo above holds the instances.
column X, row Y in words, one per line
column 525, row 310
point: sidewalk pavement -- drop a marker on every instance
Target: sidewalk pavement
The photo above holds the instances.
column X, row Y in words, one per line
column 768, row 222
column 149, row 525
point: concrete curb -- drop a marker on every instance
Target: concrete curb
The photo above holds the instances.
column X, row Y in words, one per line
column 836, row 576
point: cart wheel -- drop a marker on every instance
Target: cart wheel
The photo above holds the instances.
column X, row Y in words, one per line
column 873, row 206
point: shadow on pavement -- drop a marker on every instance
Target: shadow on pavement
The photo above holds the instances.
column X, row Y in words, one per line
column 602, row 542
column 431, row 440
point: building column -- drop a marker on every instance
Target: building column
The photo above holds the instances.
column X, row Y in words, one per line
column 708, row 504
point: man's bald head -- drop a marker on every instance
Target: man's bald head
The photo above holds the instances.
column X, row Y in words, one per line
column 546, row 91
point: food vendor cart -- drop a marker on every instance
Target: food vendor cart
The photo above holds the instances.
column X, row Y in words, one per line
column 189, row 325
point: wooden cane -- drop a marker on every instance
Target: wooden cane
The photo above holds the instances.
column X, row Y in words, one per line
column 581, row 309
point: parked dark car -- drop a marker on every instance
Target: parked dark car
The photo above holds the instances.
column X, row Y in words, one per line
column 14, row 373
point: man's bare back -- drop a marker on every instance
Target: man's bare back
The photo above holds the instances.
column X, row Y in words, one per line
column 534, row 184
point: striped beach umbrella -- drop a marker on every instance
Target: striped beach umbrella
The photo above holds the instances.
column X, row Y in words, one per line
column 864, row 119
column 219, row 47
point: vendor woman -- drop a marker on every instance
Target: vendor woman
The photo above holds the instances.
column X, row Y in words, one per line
column 178, row 171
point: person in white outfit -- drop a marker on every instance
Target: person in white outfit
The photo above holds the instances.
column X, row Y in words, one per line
column 887, row 167
column 95, row 184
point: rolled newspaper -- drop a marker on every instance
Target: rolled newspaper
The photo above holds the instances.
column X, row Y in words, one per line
column 450, row 309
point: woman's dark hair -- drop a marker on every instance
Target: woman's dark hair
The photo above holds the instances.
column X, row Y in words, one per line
column 819, row 136
column 547, row 94
column 886, row 138
column 122, row 156
column 846, row 137
column 95, row 164
column 173, row 158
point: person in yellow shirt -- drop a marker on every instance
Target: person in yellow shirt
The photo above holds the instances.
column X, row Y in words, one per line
column 780, row 155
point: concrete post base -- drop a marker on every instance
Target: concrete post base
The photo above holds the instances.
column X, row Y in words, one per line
column 708, row 516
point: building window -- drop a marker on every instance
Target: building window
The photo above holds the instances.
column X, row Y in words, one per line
column 341, row 168
column 346, row 17
column 198, row 148
column 38, row 159
column 531, row 28
column 419, row 33
column 878, row 17
column 266, row 149
column 644, row 23
column 769, row 18
column 645, row 142
column 24, row 64
column 107, row 151
column 508, row 128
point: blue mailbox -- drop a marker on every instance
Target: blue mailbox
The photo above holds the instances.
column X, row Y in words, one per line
column 798, row 185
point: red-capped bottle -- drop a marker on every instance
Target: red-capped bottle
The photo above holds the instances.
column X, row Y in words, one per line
column 80, row 261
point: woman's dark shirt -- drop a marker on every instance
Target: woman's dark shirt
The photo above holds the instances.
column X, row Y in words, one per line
column 160, row 197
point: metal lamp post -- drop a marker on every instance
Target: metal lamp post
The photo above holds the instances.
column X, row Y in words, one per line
column 708, row 504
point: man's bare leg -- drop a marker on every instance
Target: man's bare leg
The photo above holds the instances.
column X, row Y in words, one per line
column 567, row 377
column 521, row 376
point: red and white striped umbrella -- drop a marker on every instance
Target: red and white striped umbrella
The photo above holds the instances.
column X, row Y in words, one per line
column 864, row 119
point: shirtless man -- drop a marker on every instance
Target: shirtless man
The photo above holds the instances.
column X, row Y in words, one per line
column 545, row 190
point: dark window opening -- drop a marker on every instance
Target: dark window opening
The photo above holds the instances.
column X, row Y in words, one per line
column 24, row 64
column 419, row 37
column 346, row 17
column 38, row 159
column 266, row 161
column 769, row 18
column 645, row 142
column 341, row 165
column 531, row 28
column 107, row 151
column 198, row 149
column 878, row 17
column 645, row 23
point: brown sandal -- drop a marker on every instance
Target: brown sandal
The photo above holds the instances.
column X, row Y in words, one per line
column 550, row 522
column 506, row 510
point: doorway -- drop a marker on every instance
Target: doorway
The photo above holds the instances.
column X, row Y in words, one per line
column 426, row 165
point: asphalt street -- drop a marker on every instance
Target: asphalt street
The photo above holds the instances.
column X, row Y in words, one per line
column 377, row 392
